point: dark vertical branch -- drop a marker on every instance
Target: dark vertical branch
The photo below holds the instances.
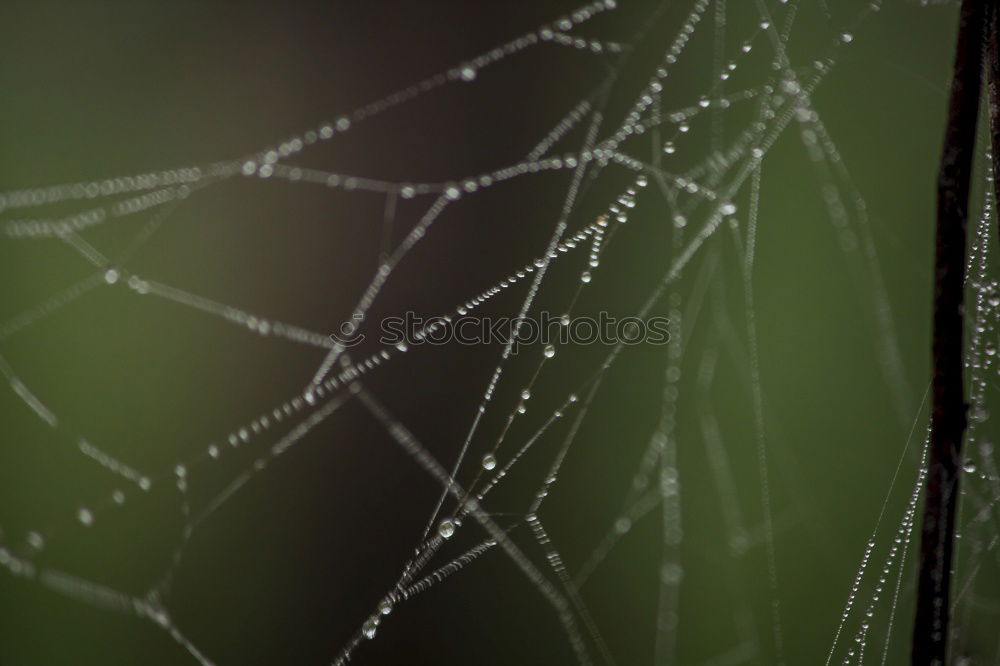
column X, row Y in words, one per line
column 992, row 63
column 948, row 418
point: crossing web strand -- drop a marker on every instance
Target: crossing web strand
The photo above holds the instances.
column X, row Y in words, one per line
column 215, row 453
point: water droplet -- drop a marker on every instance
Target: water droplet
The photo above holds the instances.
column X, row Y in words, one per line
column 846, row 37
column 525, row 394
column 669, row 148
column 727, row 209
column 111, row 275
column 385, row 607
column 118, row 497
column 446, row 528
column 521, row 409
column 549, row 352
column 401, row 346
column 468, row 73
column 370, row 627
column 585, row 276
column 489, row 462
column 36, row 540
column 969, row 466
column 85, row 516
column 671, row 574
column 135, row 283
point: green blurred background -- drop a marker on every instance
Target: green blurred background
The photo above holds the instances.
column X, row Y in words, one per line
column 291, row 565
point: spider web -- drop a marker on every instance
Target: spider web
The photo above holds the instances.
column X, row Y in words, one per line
column 212, row 478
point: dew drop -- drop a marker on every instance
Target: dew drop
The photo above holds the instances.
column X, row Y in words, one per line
column 489, row 462
column 525, row 394
column 549, row 352
column 85, row 516
column 446, row 528
column 36, row 540
column 385, row 607
column 111, row 275
column 846, row 37
column 468, row 73
column 671, row 574
column 370, row 627
column 585, row 276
